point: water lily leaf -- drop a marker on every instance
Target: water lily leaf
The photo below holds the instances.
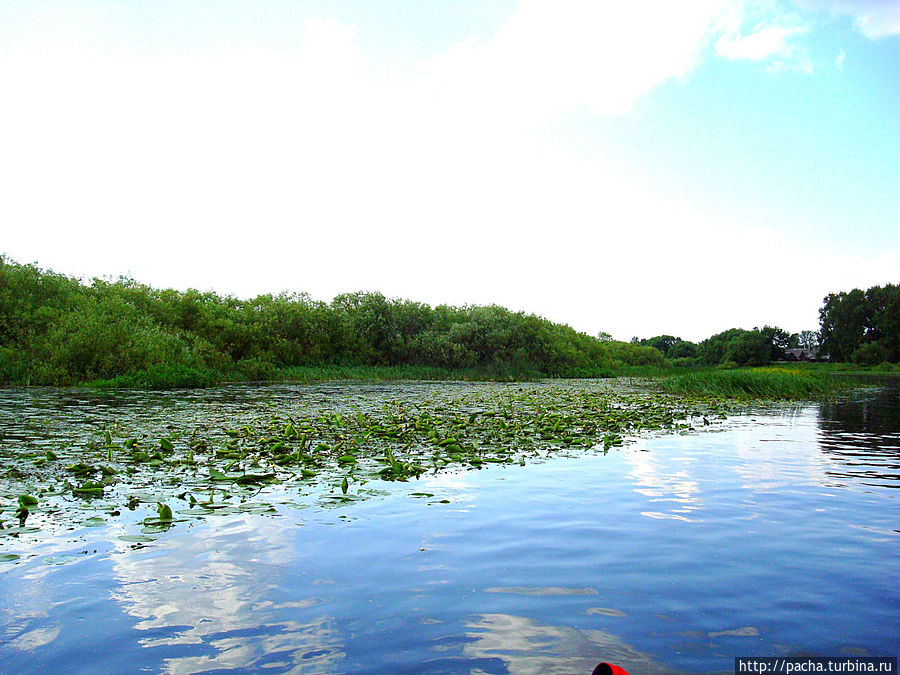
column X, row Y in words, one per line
column 215, row 474
column 249, row 478
column 27, row 500
column 164, row 511
column 90, row 488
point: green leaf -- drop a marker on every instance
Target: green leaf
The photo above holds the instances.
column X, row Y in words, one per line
column 90, row 488
column 164, row 511
column 344, row 485
column 27, row 500
column 166, row 445
column 250, row 478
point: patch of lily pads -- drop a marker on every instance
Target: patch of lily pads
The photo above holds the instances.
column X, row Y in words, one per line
column 330, row 456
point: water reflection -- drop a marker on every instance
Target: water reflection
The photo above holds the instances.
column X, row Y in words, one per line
column 667, row 483
column 860, row 436
column 203, row 598
column 527, row 647
column 703, row 546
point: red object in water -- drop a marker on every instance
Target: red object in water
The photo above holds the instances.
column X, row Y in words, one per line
column 608, row 669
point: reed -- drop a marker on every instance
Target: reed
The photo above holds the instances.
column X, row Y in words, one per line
column 754, row 383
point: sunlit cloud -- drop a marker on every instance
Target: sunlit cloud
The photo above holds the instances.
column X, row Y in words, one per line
column 839, row 60
column 875, row 19
column 252, row 168
column 764, row 42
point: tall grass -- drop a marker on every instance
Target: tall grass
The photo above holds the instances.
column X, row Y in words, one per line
column 754, row 383
column 326, row 372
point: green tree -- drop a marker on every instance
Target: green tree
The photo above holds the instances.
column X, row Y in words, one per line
column 778, row 340
column 735, row 345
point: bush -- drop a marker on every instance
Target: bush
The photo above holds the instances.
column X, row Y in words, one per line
column 160, row 376
column 632, row 354
column 254, row 370
column 870, row 354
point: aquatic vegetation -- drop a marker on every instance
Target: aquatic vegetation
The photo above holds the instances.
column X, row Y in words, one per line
column 755, row 383
column 330, row 454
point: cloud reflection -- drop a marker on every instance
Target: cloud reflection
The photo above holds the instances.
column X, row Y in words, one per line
column 201, row 596
column 527, row 647
column 667, row 482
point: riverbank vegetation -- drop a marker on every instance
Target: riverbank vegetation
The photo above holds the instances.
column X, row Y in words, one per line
column 771, row 383
column 58, row 330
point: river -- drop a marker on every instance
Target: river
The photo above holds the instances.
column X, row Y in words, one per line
column 774, row 532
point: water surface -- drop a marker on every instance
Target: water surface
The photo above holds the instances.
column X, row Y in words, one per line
column 773, row 533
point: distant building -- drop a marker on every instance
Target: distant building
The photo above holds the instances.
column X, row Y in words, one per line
column 801, row 354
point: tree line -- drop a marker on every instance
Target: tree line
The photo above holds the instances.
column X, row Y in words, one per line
column 56, row 330
column 862, row 327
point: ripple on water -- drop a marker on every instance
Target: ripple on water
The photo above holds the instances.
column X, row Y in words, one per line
column 770, row 542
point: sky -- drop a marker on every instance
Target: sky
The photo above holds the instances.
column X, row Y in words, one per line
column 639, row 168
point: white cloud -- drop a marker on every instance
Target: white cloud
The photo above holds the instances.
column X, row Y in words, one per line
column 873, row 18
column 552, row 57
column 254, row 170
column 774, row 37
column 839, row 60
column 764, row 42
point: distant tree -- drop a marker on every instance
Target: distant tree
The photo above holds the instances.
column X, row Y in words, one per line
column 843, row 323
column 633, row 355
column 778, row 340
column 661, row 342
column 807, row 339
column 850, row 321
column 603, row 336
column 749, row 349
column 735, row 345
column 682, row 349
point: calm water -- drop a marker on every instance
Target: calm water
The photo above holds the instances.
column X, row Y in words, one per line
column 775, row 533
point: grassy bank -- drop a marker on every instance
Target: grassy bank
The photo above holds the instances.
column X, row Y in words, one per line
column 771, row 383
column 176, row 376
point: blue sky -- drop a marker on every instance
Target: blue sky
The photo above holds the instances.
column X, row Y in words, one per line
column 637, row 168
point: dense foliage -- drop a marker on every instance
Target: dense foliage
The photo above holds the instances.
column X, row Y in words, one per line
column 56, row 330
column 669, row 345
column 862, row 326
